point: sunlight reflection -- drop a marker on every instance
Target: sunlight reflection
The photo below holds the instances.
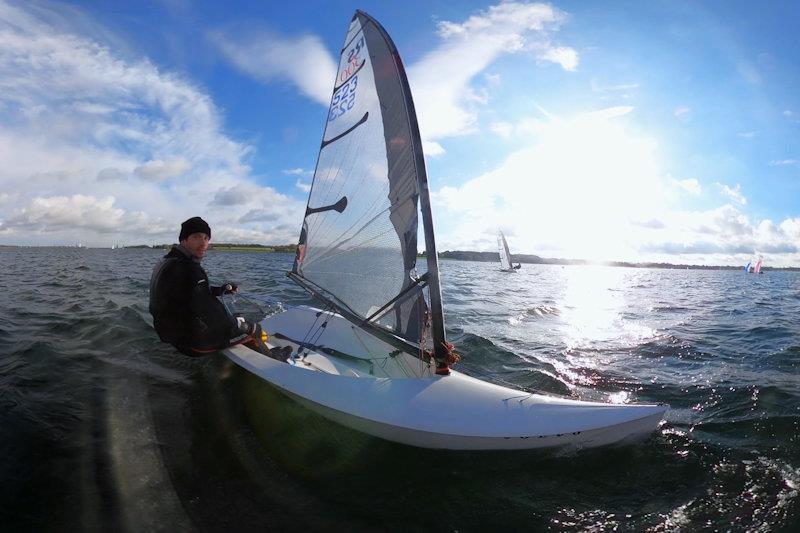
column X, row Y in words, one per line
column 592, row 301
column 594, row 308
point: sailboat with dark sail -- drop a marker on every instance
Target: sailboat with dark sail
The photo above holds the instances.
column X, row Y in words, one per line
column 374, row 356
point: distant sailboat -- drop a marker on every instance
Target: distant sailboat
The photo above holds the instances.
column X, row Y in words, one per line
column 505, row 255
column 754, row 269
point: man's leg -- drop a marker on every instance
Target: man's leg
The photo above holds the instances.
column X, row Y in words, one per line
column 256, row 342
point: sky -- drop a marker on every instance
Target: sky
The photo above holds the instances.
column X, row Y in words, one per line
column 633, row 131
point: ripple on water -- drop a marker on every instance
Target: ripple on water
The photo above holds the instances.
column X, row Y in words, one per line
column 510, row 368
column 726, row 458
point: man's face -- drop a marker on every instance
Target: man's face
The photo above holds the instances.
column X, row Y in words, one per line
column 197, row 244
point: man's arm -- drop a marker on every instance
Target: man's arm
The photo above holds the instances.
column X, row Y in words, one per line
column 212, row 326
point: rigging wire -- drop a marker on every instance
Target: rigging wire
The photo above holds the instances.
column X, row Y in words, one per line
column 313, row 330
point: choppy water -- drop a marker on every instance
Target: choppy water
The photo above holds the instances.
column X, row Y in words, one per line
column 104, row 427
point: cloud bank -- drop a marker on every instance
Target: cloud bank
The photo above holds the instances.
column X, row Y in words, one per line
column 446, row 101
column 103, row 149
column 587, row 188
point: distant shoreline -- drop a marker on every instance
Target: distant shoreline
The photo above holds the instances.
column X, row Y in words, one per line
column 455, row 255
column 493, row 257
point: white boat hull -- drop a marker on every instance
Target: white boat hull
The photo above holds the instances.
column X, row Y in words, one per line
column 394, row 396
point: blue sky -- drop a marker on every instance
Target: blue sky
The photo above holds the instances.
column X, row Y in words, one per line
column 642, row 131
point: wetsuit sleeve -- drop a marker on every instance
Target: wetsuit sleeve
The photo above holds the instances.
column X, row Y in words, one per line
column 212, row 327
column 217, row 291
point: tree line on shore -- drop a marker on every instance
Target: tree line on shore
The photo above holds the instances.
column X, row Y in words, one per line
column 468, row 255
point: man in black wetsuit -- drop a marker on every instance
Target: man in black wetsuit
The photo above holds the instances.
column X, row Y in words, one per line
column 185, row 308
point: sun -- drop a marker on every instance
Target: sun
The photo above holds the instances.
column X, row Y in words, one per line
column 579, row 185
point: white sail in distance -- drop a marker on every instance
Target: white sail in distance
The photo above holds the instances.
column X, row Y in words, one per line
column 505, row 255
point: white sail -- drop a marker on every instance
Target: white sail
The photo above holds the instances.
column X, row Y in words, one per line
column 505, row 255
column 358, row 245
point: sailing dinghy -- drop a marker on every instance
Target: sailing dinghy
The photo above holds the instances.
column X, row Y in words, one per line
column 374, row 357
column 505, row 256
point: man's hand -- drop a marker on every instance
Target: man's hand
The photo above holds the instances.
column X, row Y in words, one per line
column 229, row 288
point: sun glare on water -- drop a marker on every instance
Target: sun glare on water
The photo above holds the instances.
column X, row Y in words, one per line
column 593, row 305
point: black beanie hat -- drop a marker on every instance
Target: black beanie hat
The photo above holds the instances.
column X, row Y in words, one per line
column 194, row 225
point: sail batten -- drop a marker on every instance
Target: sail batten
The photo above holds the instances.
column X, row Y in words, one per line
column 345, row 132
column 358, row 242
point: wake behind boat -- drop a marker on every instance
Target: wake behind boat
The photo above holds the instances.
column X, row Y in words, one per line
column 374, row 357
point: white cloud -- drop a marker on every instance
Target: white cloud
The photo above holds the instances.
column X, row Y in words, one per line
column 68, row 219
column 57, row 213
column 596, row 87
column 783, row 162
column 503, row 129
column 681, row 110
column 446, row 102
column 247, row 194
column 652, row 223
column 111, row 174
column 533, row 127
column 588, row 188
column 261, row 215
column 791, row 115
column 690, row 185
column 303, row 186
column 734, row 193
column 432, row 148
column 299, row 172
column 158, row 170
column 303, row 61
column 239, row 194
column 492, row 79
column 566, row 57
column 104, row 149
column 581, row 179
column 791, row 227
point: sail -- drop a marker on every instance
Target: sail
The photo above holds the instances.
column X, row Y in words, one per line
column 505, row 255
column 358, row 244
column 757, row 268
column 747, row 266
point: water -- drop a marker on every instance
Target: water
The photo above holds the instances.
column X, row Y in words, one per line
column 104, row 427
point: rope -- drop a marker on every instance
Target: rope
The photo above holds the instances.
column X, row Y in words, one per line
column 313, row 331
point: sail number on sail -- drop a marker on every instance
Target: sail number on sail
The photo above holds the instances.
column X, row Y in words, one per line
column 343, row 99
column 344, row 95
